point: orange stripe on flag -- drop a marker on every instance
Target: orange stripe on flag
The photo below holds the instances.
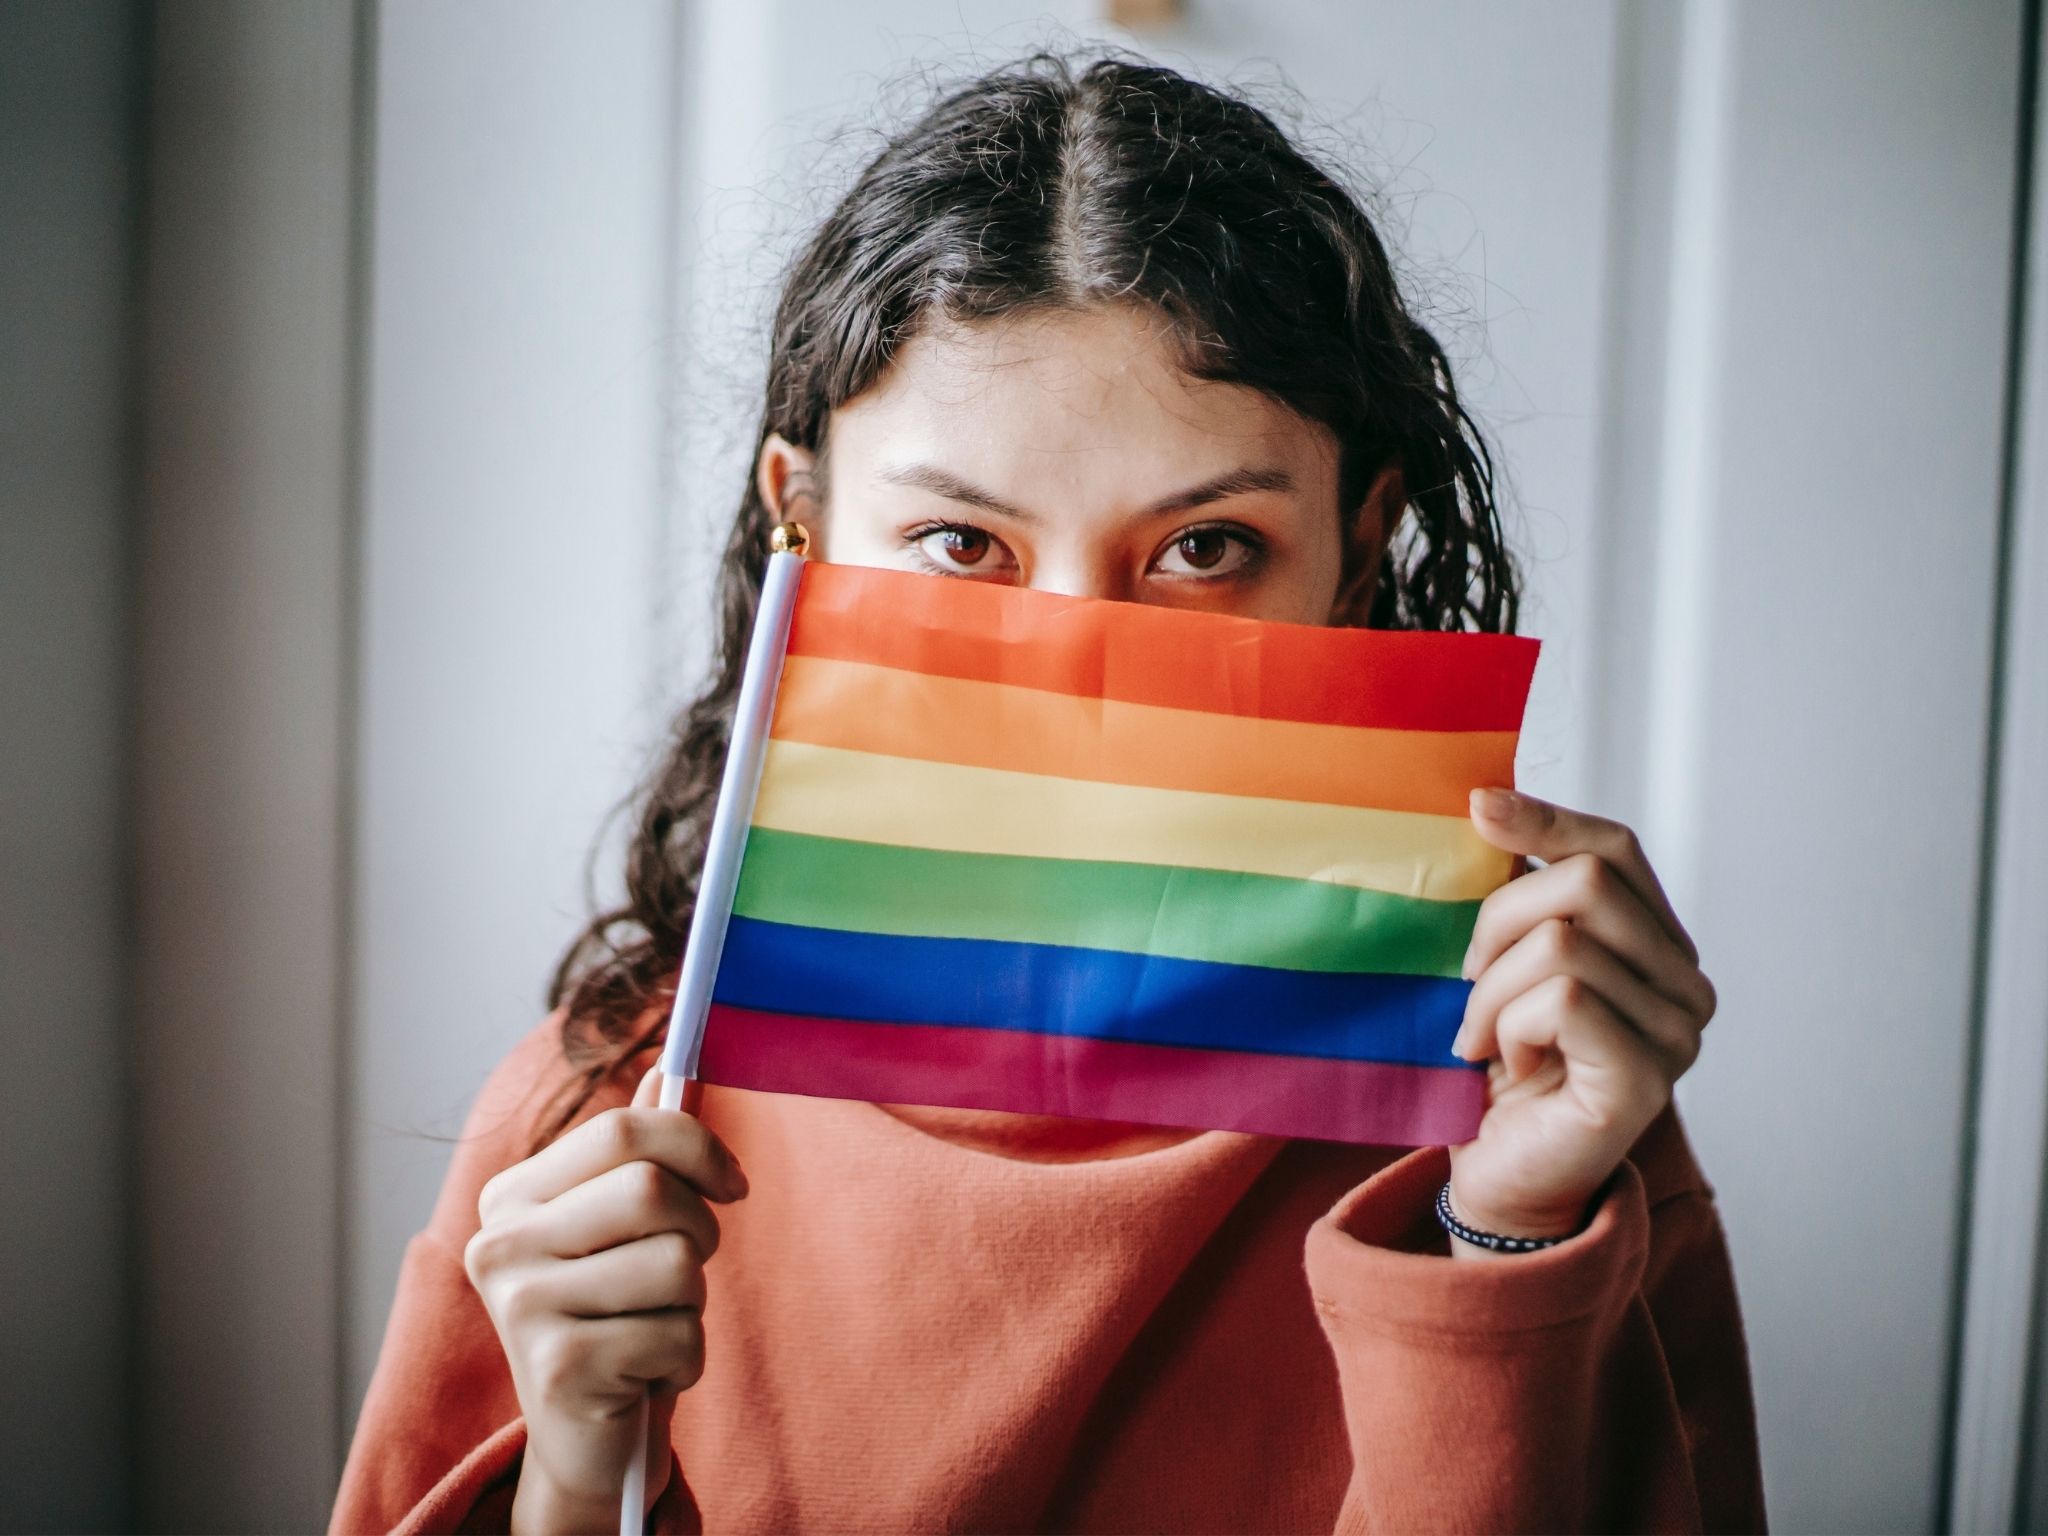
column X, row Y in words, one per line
column 865, row 708
column 1142, row 653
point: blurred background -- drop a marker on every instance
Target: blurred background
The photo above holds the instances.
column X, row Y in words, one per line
column 376, row 382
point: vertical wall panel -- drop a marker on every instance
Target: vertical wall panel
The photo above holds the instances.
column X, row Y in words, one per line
column 239, row 745
column 1486, row 133
column 1832, row 794
column 70, row 99
column 2000, row 1457
column 516, row 378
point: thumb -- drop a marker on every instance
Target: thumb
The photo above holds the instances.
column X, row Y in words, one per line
column 648, row 1094
column 661, row 1412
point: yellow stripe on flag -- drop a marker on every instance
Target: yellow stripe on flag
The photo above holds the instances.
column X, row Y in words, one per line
column 867, row 797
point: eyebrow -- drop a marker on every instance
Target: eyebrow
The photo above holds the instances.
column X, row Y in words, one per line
column 1236, row 482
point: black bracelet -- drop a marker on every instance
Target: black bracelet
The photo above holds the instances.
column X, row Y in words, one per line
column 1499, row 1242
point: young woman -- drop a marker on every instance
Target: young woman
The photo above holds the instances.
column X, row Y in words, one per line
column 1098, row 330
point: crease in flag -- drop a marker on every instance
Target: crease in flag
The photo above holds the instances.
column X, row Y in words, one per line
column 995, row 848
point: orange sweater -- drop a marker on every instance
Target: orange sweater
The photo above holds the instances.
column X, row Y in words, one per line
column 940, row 1320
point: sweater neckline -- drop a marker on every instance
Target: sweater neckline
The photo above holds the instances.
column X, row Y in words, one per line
column 1039, row 1138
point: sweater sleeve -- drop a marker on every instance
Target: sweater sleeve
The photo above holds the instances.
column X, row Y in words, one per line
column 1601, row 1384
column 438, row 1444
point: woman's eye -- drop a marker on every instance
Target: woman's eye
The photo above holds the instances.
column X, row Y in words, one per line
column 1205, row 552
column 959, row 547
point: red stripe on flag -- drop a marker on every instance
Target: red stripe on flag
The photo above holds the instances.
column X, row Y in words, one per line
column 1374, row 1103
column 1142, row 653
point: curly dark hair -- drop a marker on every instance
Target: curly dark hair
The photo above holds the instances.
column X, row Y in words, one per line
column 1059, row 183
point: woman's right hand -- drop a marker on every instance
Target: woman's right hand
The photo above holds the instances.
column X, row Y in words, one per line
column 590, row 1261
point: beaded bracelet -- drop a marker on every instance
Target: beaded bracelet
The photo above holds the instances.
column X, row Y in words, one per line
column 1499, row 1242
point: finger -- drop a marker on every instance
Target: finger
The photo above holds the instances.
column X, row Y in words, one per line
column 632, row 1201
column 1526, row 825
column 1604, row 1058
column 1555, row 947
column 1583, row 889
column 657, row 1273
column 1586, row 891
column 678, row 1142
column 516, row 1186
column 648, row 1093
column 609, row 1365
column 643, row 1347
column 661, row 1407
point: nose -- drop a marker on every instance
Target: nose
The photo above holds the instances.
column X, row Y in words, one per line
column 1083, row 575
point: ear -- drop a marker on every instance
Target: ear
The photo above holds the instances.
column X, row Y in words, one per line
column 786, row 477
column 1366, row 536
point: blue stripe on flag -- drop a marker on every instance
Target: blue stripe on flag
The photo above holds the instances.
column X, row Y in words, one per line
column 1101, row 994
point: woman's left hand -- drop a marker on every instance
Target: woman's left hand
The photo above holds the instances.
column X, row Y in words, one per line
column 1589, row 1001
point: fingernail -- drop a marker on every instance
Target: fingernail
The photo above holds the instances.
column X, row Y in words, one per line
column 1498, row 804
column 1465, row 965
column 1458, row 1042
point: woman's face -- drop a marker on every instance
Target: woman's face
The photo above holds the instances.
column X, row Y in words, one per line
column 1069, row 452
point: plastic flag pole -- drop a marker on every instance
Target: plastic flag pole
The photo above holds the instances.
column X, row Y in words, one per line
column 722, row 853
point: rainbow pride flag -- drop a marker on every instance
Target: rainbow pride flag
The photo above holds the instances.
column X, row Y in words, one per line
column 1011, row 850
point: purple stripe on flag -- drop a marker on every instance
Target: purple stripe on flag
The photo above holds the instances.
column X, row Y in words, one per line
column 1376, row 1103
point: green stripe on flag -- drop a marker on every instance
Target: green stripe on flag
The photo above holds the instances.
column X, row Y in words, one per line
column 1146, row 909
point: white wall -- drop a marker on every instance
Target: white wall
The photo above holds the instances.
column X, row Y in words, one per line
column 1729, row 283
column 1727, row 277
column 546, row 462
column 513, row 450
column 1834, row 704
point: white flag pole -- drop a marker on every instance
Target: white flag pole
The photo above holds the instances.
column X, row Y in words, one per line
column 759, row 683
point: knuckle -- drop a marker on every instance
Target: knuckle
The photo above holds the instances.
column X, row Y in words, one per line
column 1709, row 999
column 556, row 1361
column 695, row 1288
column 678, row 1252
column 1556, row 939
column 1655, row 1089
column 616, row 1132
column 1485, row 928
column 689, row 1350
column 1606, row 1118
column 707, row 1152
column 485, row 1253
column 1499, row 905
column 519, row 1298
column 1568, row 994
column 646, row 1185
column 490, row 1197
column 1594, row 878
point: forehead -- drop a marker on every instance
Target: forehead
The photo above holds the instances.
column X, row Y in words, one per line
column 1037, row 392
